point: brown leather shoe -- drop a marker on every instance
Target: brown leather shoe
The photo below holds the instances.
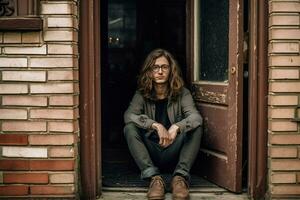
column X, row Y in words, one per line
column 156, row 188
column 180, row 188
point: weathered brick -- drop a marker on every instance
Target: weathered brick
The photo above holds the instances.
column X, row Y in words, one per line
column 24, row 152
column 28, row 76
column 286, row 189
column 51, row 190
column 14, row 165
column 51, row 62
column 284, row 6
column 284, row 34
column 60, row 75
column 13, row 62
column 283, row 100
column 13, row 89
column 284, row 74
column 283, row 126
column 24, row 100
column 52, row 113
column 61, row 126
column 14, row 190
column 25, row 178
column 60, row 36
column 62, row 100
column 13, row 114
column 284, row 47
column 285, row 164
column 57, row 8
column 54, row 88
column 31, row 37
column 282, row 113
column 51, row 139
column 298, row 177
column 62, row 178
column 284, row 19
column 58, row 22
column 25, row 50
column 52, row 165
column 61, row 152
column 23, row 126
column 283, row 152
column 62, row 49
column 284, row 139
column 284, row 60
column 12, row 37
column 13, row 139
column 284, row 87
column 283, row 178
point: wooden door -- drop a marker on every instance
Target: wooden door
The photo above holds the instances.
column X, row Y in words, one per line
column 217, row 88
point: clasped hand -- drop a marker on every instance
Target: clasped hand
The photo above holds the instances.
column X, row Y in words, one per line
column 166, row 137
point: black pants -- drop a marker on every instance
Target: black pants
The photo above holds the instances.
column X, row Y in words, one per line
column 151, row 158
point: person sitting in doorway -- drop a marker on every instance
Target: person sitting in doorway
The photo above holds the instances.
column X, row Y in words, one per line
column 163, row 128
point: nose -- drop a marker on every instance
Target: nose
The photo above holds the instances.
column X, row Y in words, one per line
column 160, row 70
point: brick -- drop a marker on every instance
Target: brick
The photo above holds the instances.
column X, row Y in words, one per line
column 285, row 139
column 42, row 50
column 284, row 6
column 61, row 152
column 13, row 89
column 58, row 22
column 24, row 152
column 61, row 178
column 284, row 152
column 13, row 139
column 61, row 126
column 282, row 113
column 31, row 37
column 284, row 74
column 14, row 165
column 1, row 178
column 284, row 87
column 285, row 164
column 1, row 37
column 286, row 189
column 52, row 165
column 285, row 20
column 51, row 190
column 12, row 37
column 60, row 36
column 51, row 62
column 13, row 62
column 62, row 100
column 60, row 75
column 284, row 60
column 284, row 34
column 51, row 139
column 56, row 8
column 24, row 100
column 14, row 190
column 298, row 177
column 52, row 113
column 53, row 88
column 28, row 76
column 284, row 47
column 23, row 126
column 13, row 114
column 25, row 178
column 283, row 178
column 288, row 100
column 283, row 126
column 62, row 49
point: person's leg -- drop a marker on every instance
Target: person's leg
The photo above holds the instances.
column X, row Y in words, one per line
column 134, row 137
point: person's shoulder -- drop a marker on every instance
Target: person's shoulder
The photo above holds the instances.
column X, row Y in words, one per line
column 185, row 91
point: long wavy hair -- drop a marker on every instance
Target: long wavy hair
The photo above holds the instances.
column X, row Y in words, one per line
column 145, row 81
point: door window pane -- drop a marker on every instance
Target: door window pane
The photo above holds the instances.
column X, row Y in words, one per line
column 214, row 24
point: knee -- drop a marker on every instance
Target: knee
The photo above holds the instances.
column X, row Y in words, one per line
column 197, row 132
column 131, row 131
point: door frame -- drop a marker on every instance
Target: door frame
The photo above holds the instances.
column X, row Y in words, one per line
column 90, row 97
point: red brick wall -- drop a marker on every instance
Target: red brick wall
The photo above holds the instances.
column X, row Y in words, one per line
column 284, row 93
column 39, row 106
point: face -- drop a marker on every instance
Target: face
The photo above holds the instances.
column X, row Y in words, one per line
column 161, row 70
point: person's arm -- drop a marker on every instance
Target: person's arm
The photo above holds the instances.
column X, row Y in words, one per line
column 135, row 113
column 192, row 118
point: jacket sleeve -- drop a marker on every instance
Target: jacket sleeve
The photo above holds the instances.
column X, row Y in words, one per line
column 135, row 113
column 191, row 116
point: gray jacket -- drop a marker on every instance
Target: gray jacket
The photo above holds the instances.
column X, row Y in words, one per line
column 181, row 111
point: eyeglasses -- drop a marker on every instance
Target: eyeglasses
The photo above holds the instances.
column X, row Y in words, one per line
column 164, row 68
